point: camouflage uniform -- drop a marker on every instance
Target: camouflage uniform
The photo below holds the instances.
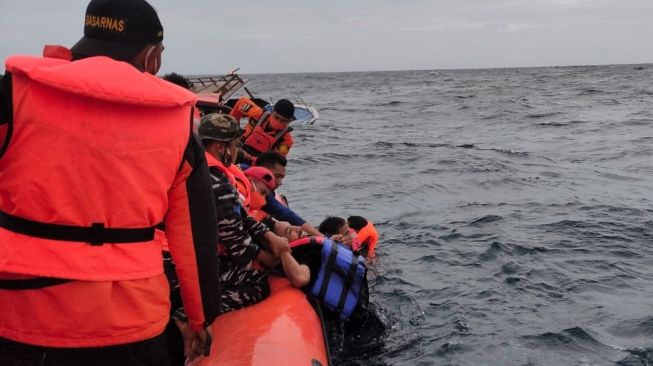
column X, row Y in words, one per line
column 242, row 282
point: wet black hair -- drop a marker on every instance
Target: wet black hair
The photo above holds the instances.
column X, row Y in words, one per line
column 269, row 158
column 356, row 222
column 177, row 79
column 331, row 225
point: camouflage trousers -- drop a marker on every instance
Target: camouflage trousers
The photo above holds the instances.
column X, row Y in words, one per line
column 241, row 286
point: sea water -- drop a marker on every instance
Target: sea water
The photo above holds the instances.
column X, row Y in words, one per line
column 514, row 206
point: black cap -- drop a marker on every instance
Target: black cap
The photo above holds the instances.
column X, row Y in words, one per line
column 119, row 29
column 285, row 108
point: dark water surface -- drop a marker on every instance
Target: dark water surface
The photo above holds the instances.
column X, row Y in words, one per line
column 515, row 207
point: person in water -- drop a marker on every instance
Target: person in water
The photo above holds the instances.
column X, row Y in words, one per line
column 265, row 131
column 243, row 280
column 356, row 232
column 366, row 235
column 101, row 152
column 275, row 204
column 337, row 229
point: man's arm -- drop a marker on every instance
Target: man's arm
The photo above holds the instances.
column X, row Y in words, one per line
column 280, row 212
column 192, row 237
column 255, row 229
column 310, row 230
column 298, row 274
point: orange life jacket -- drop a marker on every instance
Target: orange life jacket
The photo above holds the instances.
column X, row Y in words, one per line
column 245, row 107
column 243, row 185
column 235, row 176
column 368, row 236
column 78, row 164
column 260, row 141
column 258, row 215
column 215, row 163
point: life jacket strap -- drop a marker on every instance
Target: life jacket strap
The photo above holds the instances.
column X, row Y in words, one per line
column 349, row 280
column 97, row 234
column 32, row 283
column 6, row 111
column 333, row 254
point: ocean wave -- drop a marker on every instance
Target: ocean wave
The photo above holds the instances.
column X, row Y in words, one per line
column 390, row 103
column 485, row 219
column 590, row 91
column 572, row 338
column 543, row 115
column 562, row 123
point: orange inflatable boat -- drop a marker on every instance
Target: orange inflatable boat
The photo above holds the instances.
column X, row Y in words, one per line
column 282, row 330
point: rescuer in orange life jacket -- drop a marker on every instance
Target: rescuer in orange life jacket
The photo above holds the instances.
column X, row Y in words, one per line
column 100, row 153
column 265, row 131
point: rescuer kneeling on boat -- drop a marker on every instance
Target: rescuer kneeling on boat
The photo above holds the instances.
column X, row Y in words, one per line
column 265, row 131
column 243, row 280
column 100, row 153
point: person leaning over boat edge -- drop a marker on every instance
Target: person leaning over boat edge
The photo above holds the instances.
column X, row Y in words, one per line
column 336, row 276
column 265, row 131
column 243, row 282
column 274, row 205
column 97, row 159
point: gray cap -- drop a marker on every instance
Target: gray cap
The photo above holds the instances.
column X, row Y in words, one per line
column 219, row 127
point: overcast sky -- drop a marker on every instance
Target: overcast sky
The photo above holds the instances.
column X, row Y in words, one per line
column 209, row 36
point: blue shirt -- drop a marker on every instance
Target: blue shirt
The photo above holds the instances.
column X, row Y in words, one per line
column 280, row 212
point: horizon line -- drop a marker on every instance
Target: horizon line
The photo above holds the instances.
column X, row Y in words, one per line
column 438, row 69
